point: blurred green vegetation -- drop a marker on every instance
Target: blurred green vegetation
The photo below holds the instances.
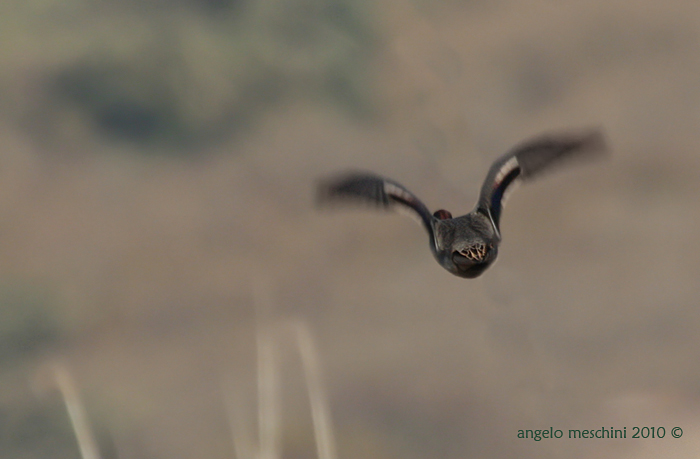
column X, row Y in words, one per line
column 181, row 73
column 30, row 426
column 28, row 324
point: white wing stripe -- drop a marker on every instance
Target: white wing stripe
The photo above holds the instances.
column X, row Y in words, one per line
column 391, row 189
column 506, row 169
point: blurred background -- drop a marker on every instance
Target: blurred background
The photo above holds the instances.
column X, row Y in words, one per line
column 156, row 211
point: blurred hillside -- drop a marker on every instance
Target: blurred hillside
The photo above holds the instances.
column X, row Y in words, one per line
column 177, row 75
column 156, row 188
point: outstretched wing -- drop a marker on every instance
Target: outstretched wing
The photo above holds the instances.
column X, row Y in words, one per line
column 529, row 159
column 363, row 187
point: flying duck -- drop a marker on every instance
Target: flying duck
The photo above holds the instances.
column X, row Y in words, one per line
column 466, row 245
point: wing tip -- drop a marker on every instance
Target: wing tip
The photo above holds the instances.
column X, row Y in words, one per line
column 593, row 140
column 338, row 188
column 569, row 146
column 323, row 192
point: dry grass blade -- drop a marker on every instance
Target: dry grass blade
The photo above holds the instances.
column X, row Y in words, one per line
column 320, row 411
column 268, row 398
column 242, row 441
column 269, row 402
column 76, row 413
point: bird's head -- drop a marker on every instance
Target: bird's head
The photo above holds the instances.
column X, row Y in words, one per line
column 470, row 258
column 466, row 245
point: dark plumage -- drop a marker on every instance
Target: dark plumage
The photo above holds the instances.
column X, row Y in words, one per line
column 467, row 245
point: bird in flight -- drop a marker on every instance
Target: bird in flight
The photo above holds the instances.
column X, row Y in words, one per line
column 466, row 245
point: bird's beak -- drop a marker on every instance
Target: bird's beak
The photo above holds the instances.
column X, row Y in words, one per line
column 461, row 261
column 469, row 268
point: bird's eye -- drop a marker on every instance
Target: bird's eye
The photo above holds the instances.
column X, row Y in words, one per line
column 442, row 214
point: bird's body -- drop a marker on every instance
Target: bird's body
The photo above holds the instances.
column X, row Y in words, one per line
column 466, row 246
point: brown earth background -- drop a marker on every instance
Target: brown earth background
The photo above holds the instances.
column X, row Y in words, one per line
column 156, row 203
